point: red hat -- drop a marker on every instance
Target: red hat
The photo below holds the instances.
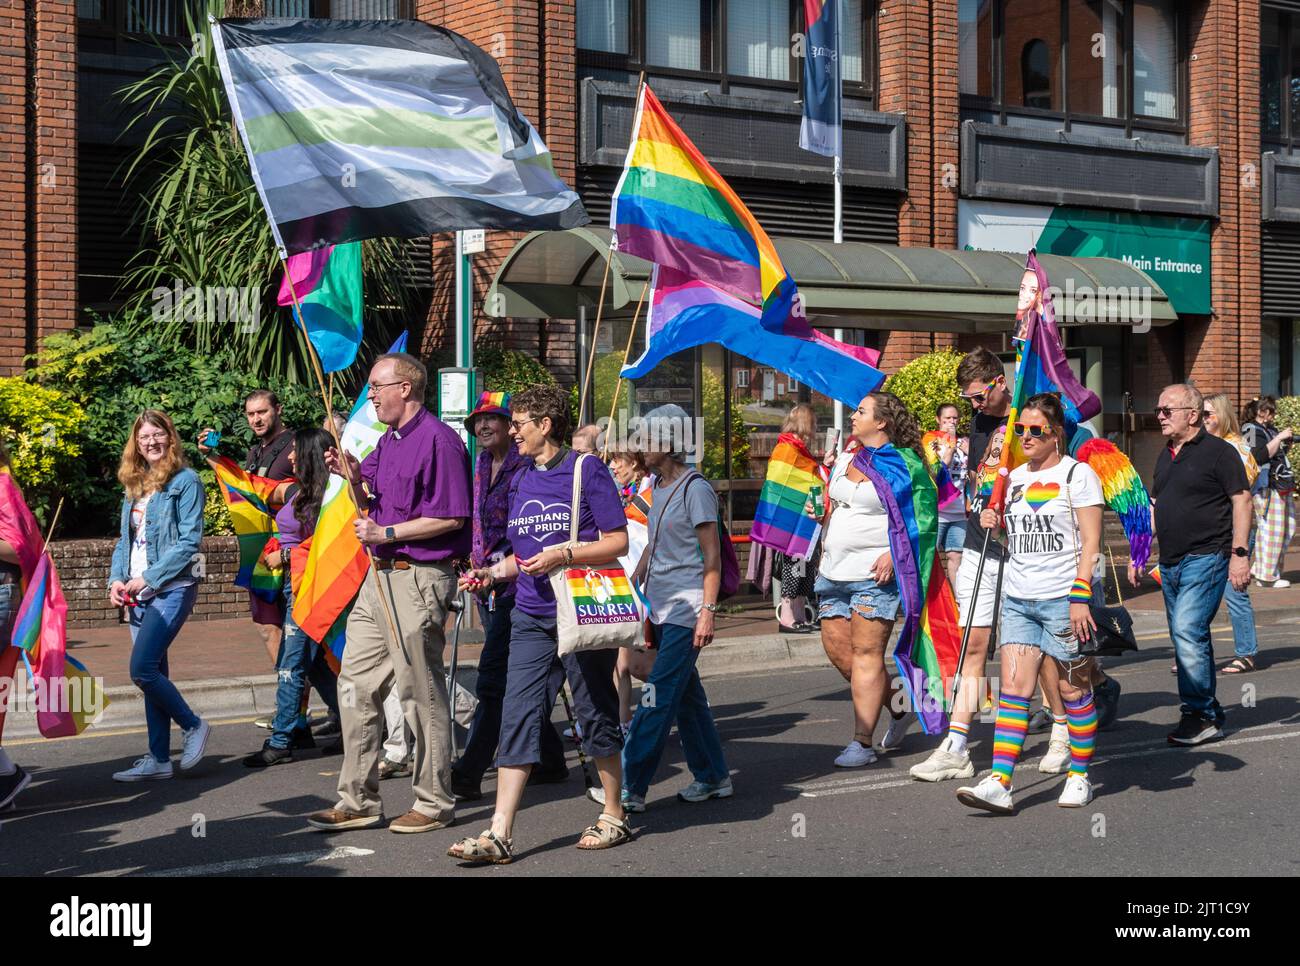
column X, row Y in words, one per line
column 490, row 404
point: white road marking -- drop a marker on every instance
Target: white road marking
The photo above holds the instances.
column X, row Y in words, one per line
column 246, row 865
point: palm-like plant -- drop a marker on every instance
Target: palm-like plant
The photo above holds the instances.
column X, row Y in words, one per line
column 202, row 222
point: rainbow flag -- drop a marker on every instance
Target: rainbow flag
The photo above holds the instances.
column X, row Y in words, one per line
column 1124, row 492
column 932, row 444
column 32, row 611
column 686, row 312
column 335, row 567
column 247, row 499
column 327, row 282
column 672, row 208
column 602, row 596
column 930, row 639
column 335, row 638
column 779, row 520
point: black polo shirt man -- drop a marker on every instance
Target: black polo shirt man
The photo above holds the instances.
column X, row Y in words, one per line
column 1202, row 519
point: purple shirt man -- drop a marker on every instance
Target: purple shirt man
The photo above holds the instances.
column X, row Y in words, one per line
column 420, row 469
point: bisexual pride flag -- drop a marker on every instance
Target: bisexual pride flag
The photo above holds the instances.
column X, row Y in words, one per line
column 821, row 129
column 327, row 282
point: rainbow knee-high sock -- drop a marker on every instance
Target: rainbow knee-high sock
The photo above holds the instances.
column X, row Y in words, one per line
column 1009, row 735
column 1081, row 717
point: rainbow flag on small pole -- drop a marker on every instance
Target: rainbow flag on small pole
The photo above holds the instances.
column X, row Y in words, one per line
column 247, row 499
column 334, row 569
column 780, row 521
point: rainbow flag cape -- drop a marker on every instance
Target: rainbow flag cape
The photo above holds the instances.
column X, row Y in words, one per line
column 335, row 637
column 686, row 312
column 931, row 445
column 335, row 567
column 361, row 435
column 246, row 497
column 930, row 639
column 1123, row 491
column 780, row 521
column 327, row 282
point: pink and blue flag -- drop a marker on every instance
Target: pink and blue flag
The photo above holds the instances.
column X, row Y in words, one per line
column 327, row 282
column 821, row 128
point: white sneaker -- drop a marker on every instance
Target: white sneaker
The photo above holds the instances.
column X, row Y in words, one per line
column 196, row 739
column 1077, row 792
column 855, row 755
column 990, row 795
column 1057, row 758
column 944, row 763
column 894, row 736
column 702, row 791
column 145, row 769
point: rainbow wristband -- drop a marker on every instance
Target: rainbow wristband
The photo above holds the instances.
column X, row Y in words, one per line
column 1081, row 592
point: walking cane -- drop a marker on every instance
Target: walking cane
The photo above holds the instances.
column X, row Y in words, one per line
column 457, row 604
column 974, row 598
column 573, row 723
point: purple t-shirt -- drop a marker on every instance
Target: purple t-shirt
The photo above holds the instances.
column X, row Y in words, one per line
column 291, row 533
column 539, row 518
column 419, row 470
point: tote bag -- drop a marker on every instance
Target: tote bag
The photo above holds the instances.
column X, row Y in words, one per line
column 595, row 605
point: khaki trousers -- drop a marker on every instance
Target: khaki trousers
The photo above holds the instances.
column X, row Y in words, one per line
column 373, row 662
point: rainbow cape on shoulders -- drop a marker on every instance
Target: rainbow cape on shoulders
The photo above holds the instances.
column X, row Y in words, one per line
column 247, row 499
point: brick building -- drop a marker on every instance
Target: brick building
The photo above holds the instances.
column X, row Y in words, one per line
column 1157, row 132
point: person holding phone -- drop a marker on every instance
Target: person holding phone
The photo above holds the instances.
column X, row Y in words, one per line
column 153, row 574
column 1053, row 526
column 1271, row 492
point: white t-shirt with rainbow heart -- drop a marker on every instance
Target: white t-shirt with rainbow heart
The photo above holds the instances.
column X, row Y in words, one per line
column 1042, row 534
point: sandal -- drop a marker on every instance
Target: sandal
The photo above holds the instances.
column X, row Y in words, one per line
column 608, row 832
column 498, row 851
column 1238, row 665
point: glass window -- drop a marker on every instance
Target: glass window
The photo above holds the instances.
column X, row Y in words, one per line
column 1294, row 80
column 1155, row 59
column 1032, row 54
column 975, row 47
column 1096, row 54
column 853, row 40
column 602, row 25
column 1270, row 356
column 90, row 9
column 674, row 34
column 1270, row 70
column 758, row 38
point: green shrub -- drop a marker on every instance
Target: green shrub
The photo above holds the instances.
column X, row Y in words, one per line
column 42, row 430
column 509, row 370
column 1288, row 413
column 926, row 382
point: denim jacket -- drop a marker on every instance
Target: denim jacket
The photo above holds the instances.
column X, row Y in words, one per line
column 173, row 531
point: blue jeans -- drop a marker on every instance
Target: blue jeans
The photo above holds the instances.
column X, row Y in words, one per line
column 678, row 696
column 301, row 660
column 1193, row 589
column 154, row 625
column 1244, row 642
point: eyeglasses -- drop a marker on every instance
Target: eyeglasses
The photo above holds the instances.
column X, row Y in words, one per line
column 978, row 397
column 516, row 424
column 1167, row 411
column 1032, row 430
column 152, row 438
column 372, row 389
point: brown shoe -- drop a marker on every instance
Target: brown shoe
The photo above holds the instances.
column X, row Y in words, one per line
column 336, row 820
column 414, row 821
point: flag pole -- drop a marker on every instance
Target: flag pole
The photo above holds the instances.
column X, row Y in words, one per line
column 49, row 534
column 591, row 355
column 838, row 170
column 613, row 407
column 338, row 445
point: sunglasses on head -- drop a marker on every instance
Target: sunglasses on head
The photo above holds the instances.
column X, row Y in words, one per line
column 978, row 397
column 1034, row 432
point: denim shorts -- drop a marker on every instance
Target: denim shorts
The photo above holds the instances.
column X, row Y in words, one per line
column 952, row 535
column 1044, row 624
column 843, row 598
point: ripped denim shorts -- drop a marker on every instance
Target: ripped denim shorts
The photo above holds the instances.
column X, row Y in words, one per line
column 1044, row 624
column 843, row 598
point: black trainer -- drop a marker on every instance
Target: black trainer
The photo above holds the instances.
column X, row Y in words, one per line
column 465, row 790
column 1106, row 698
column 301, row 738
column 328, row 727
column 269, row 756
column 1194, row 730
column 12, row 784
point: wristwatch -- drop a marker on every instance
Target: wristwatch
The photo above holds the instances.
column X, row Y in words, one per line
column 390, row 534
column 711, row 608
column 1240, row 552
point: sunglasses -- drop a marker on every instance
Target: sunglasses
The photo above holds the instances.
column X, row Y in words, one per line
column 978, row 397
column 1034, row 432
column 1167, row 411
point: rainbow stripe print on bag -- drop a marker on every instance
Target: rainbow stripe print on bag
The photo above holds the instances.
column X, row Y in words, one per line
column 602, row 596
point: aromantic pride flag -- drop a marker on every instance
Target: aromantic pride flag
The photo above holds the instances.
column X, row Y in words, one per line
column 247, row 497
column 327, row 282
column 779, row 520
column 930, row 639
column 361, row 129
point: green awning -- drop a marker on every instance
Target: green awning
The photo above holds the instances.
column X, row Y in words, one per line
column 557, row 274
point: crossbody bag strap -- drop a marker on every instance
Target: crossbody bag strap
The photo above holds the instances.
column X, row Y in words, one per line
column 1074, row 520
column 654, row 537
column 576, row 507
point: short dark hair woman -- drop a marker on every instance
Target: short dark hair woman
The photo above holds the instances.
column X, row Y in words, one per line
column 540, row 511
column 161, row 529
column 1053, row 523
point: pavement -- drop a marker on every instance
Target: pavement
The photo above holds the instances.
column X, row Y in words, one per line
column 1223, row 809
